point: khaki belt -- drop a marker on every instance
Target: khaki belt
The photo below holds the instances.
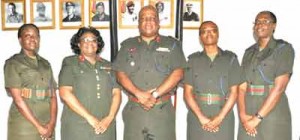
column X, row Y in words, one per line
column 209, row 98
column 259, row 90
column 39, row 94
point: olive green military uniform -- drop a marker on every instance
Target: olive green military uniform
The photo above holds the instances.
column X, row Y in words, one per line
column 35, row 77
column 92, row 86
column 261, row 68
column 147, row 66
column 211, row 79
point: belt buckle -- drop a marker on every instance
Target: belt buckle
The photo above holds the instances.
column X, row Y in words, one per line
column 209, row 99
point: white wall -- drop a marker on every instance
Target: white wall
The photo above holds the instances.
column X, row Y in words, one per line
column 235, row 19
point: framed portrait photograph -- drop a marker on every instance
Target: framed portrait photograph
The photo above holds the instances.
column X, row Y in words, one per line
column 128, row 13
column 165, row 9
column 42, row 13
column 13, row 14
column 71, row 13
column 192, row 14
column 99, row 13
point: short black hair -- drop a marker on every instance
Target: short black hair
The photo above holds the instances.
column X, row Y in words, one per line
column 28, row 25
column 76, row 39
column 12, row 4
column 272, row 15
column 205, row 22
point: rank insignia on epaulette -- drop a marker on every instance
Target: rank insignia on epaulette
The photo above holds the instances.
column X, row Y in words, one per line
column 157, row 39
column 81, row 58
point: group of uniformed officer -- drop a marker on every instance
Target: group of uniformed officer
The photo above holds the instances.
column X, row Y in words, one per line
column 148, row 68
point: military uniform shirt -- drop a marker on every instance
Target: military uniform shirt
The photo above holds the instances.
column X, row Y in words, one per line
column 21, row 71
column 92, row 86
column 262, row 68
column 148, row 66
column 212, row 77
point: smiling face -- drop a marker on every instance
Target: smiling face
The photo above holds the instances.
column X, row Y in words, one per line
column 88, row 44
column 148, row 22
column 209, row 33
column 30, row 40
column 264, row 26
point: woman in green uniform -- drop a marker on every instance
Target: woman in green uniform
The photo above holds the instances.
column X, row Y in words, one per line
column 267, row 65
column 89, row 90
column 210, row 88
column 29, row 81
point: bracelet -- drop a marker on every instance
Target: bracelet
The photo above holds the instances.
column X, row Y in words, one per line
column 259, row 116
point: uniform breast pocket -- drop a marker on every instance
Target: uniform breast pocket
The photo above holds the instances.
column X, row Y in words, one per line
column 29, row 74
column 268, row 66
column 162, row 62
column 81, row 77
column 132, row 63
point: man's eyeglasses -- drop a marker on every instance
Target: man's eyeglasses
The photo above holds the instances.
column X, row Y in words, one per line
column 262, row 22
column 89, row 39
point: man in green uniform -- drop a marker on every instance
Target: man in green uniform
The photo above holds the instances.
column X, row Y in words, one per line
column 210, row 88
column 267, row 65
column 13, row 16
column 149, row 67
column 29, row 81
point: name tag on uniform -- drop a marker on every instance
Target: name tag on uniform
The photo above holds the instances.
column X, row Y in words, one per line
column 160, row 49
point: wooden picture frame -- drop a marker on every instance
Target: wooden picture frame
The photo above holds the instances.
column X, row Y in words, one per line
column 99, row 14
column 128, row 13
column 192, row 14
column 71, row 14
column 165, row 9
column 42, row 13
column 13, row 14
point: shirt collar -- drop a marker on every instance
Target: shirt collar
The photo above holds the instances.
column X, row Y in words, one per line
column 81, row 58
column 220, row 52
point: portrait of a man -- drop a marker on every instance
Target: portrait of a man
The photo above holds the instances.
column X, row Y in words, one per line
column 72, row 15
column 40, row 15
column 100, row 13
column 190, row 15
column 130, row 15
column 12, row 15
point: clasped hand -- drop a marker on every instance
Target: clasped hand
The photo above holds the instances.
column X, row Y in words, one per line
column 211, row 124
column 250, row 123
column 100, row 126
column 146, row 100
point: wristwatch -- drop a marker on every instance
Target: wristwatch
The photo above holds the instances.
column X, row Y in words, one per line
column 155, row 94
column 259, row 116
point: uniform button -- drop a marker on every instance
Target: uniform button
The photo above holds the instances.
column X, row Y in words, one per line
column 81, row 71
column 250, row 82
column 98, row 94
column 98, row 97
column 98, row 85
column 98, row 88
column 96, row 70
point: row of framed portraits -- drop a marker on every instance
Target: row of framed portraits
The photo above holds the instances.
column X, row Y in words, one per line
column 72, row 13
